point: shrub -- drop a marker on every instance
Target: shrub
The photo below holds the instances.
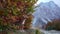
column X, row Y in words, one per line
column 54, row 25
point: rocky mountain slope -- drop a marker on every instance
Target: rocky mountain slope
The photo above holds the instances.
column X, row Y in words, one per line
column 45, row 12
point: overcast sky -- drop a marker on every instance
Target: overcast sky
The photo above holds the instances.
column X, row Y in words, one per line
column 56, row 1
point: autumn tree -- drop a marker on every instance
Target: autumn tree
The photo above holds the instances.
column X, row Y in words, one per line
column 54, row 25
column 16, row 14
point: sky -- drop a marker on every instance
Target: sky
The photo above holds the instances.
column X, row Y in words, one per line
column 55, row 1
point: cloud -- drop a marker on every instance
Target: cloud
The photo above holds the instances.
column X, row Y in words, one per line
column 39, row 1
column 55, row 1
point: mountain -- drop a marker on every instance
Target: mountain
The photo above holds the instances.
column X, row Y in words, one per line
column 45, row 12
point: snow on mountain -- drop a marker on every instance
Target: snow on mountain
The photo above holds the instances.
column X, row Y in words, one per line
column 45, row 12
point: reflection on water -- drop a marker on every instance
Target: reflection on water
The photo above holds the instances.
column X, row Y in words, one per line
column 50, row 32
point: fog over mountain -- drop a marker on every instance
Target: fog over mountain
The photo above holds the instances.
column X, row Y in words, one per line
column 45, row 12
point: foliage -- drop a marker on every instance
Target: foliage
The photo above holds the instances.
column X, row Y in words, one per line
column 54, row 25
column 14, row 12
column 38, row 32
